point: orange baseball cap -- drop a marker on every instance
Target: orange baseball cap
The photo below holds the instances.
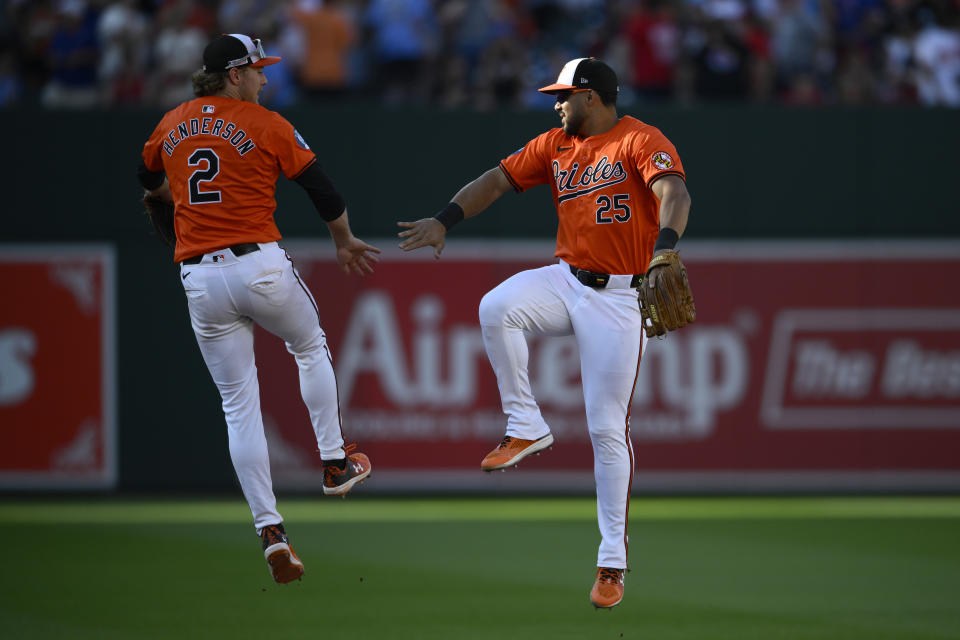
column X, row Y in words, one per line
column 229, row 50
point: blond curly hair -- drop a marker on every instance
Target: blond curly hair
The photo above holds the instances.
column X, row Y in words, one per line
column 208, row 83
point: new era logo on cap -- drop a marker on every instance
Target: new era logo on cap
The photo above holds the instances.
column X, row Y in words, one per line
column 585, row 73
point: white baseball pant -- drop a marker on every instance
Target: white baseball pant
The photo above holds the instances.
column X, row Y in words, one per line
column 226, row 295
column 608, row 329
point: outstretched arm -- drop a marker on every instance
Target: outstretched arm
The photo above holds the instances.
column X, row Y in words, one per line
column 471, row 200
column 353, row 254
column 482, row 192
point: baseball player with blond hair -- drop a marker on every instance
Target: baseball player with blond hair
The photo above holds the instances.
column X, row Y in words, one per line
column 621, row 199
column 217, row 159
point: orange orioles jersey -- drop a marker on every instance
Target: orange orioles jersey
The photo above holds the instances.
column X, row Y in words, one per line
column 609, row 217
column 222, row 157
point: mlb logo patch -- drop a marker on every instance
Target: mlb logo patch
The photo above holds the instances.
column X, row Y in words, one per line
column 207, row 108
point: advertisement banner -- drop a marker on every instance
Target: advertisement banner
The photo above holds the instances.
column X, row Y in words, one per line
column 57, row 391
column 824, row 365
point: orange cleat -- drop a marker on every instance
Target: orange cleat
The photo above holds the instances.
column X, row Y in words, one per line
column 512, row 450
column 338, row 481
column 285, row 566
column 607, row 591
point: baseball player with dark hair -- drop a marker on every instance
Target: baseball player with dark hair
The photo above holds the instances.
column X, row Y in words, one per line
column 621, row 198
column 217, row 159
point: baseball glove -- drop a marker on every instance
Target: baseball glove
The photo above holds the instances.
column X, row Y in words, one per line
column 666, row 302
column 160, row 213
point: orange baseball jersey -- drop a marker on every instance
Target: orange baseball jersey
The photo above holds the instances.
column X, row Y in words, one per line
column 609, row 217
column 222, row 157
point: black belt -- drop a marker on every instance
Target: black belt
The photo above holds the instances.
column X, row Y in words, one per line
column 237, row 249
column 600, row 280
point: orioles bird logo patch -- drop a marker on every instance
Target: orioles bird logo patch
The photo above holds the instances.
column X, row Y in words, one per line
column 662, row 160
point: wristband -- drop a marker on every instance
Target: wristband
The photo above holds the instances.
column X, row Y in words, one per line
column 450, row 215
column 667, row 239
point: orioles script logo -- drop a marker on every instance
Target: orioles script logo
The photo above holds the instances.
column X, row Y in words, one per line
column 573, row 183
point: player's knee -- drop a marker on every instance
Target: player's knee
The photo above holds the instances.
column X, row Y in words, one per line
column 493, row 309
column 312, row 345
column 606, row 424
column 610, row 447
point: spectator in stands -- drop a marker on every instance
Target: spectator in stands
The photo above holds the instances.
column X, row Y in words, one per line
column 854, row 20
column 329, row 35
column 936, row 50
column 480, row 38
column 470, row 27
column 654, row 40
column 499, row 76
column 459, row 52
column 243, row 16
column 403, row 35
column 32, row 27
column 179, row 44
column 756, row 37
column 73, row 55
column 721, row 66
column 797, row 35
column 855, row 82
column 123, row 33
column 547, row 15
column 898, row 81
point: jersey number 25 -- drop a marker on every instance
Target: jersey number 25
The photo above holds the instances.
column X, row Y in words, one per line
column 619, row 205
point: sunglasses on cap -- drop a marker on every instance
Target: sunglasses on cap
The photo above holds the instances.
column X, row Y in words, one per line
column 250, row 58
column 563, row 96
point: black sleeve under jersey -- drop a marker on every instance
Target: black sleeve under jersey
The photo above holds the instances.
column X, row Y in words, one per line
column 330, row 204
column 150, row 180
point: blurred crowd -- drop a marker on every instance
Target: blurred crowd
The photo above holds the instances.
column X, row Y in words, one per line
column 485, row 54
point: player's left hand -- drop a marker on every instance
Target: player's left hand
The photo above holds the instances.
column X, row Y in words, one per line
column 666, row 302
column 356, row 256
column 426, row 232
column 652, row 278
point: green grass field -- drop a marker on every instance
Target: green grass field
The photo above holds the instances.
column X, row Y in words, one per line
column 718, row 568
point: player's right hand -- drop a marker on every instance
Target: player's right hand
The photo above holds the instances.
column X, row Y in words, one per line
column 426, row 232
column 356, row 256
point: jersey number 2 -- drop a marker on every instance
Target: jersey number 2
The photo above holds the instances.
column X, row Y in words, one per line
column 206, row 174
column 619, row 204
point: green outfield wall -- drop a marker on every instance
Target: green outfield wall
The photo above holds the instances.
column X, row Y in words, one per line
column 70, row 177
column 752, row 173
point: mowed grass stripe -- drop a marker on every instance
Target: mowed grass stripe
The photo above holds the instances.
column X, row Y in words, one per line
column 707, row 579
column 363, row 509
